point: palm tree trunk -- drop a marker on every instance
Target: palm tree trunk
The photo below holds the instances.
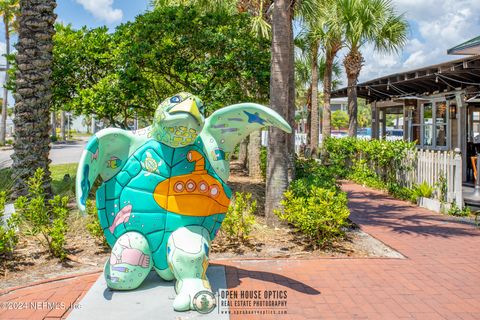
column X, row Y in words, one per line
column 53, row 121
column 254, row 145
column 353, row 64
column 243, row 152
column 309, row 115
column 3, row 123
column 279, row 163
column 327, row 92
column 62, row 126
column 315, row 119
column 33, row 92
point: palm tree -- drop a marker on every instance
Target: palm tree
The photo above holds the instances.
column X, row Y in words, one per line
column 280, row 160
column 8, row 10
column 33, row 92
column 367, row 21
column 331, row 36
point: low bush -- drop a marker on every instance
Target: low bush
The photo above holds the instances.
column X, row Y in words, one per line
column 8, row 229
column 42, row 218
column 320, row 214
column 93, row 223
column 240, row 218
column 314, row 203
column 423, row 190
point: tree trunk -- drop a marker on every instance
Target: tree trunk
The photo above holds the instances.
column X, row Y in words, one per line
column 353, row 64
column 327, row 91
column 315, row 119
column 280, row 166
column 243, row 153
column 33, row 92
column 254, row 145
column 62, row 126
column 3, row 123
column 53, row 121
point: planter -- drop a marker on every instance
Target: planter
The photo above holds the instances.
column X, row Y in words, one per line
column 433, row 204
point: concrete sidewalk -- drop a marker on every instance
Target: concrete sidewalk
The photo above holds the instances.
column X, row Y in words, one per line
column 438, row 279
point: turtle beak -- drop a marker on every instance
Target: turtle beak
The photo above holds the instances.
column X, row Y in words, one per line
column 188, row 106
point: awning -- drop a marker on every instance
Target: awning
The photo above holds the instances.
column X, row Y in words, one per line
column 470, row 47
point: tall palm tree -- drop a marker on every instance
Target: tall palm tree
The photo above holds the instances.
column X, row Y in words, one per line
column 331, row 36
column 367, row 21
column 8, row 11
column 33, row 91
column 280, row 160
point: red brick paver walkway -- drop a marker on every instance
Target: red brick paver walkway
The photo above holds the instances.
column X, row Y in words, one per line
column 438, row 279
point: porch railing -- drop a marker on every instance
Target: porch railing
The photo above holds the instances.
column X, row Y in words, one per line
column 436, row 168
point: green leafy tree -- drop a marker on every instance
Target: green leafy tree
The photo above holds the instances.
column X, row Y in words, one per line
column 125, row 74
column 339, row 119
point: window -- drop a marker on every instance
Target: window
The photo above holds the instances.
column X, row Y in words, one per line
column 429, row 125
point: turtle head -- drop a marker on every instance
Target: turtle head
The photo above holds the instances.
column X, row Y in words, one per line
column 179, row 120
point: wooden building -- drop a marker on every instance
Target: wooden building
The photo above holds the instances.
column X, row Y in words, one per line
column 439, row 105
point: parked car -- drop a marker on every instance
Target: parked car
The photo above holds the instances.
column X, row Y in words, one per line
column 394, row 134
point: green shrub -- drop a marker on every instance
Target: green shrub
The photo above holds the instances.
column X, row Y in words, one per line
column 42, row 218
column 8, row 228
column 320, row 214
column 401, row 192
column 423, row 190
column 456, row 211
column 263, row 161
column 240, row 218
column 93, row 223
column 362, row 174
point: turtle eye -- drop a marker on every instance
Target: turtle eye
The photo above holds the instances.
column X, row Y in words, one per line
column 175, row 99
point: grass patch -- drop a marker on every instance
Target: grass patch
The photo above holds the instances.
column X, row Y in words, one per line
column 63, row 179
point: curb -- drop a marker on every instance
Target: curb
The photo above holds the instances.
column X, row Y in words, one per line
column 60, row 278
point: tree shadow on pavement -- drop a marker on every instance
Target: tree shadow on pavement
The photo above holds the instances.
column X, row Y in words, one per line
column 234, row 276
column 373, row 209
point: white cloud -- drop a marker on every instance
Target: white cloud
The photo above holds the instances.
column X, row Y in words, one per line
column 436, row 26
column 102, row 9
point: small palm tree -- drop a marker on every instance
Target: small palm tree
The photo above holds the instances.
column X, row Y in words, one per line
column 8, row 11
column 33, row 91
column 367, row 21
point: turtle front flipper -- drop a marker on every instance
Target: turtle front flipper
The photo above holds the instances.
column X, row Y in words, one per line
column 228, row 126
column 187, row 256
column 105, row 154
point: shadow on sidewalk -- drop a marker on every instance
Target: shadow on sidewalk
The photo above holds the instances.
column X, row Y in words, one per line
column 373, row 209
column 234, row 275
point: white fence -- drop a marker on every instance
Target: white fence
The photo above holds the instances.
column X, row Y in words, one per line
column 432, row 167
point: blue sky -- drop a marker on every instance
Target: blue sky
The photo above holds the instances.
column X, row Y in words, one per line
column 435, row 26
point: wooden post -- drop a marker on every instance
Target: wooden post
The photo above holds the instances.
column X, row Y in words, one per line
column 462, row 129
column 458, row 178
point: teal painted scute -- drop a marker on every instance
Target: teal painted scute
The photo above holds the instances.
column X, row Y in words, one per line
column 146, row 223
column 133, row 167
column 159, row 255
column 111, row 207
column 92, row 144
column 143, row 201
column 162, row 169
column 164, row 152
column 145, row 181
column 123, row 177
column 100, row 197
column 183, row 167
column 180, row 155
column 209, row 222
column 111, row 238
column 102, row 217
column 175, row 221
column 112, row 189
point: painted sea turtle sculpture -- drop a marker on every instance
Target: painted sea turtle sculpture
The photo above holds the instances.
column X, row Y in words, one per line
column 164, row 193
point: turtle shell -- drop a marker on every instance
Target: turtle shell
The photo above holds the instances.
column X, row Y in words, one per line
column 160, row 189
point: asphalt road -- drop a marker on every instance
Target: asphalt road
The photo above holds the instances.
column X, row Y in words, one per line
column 60, row 153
